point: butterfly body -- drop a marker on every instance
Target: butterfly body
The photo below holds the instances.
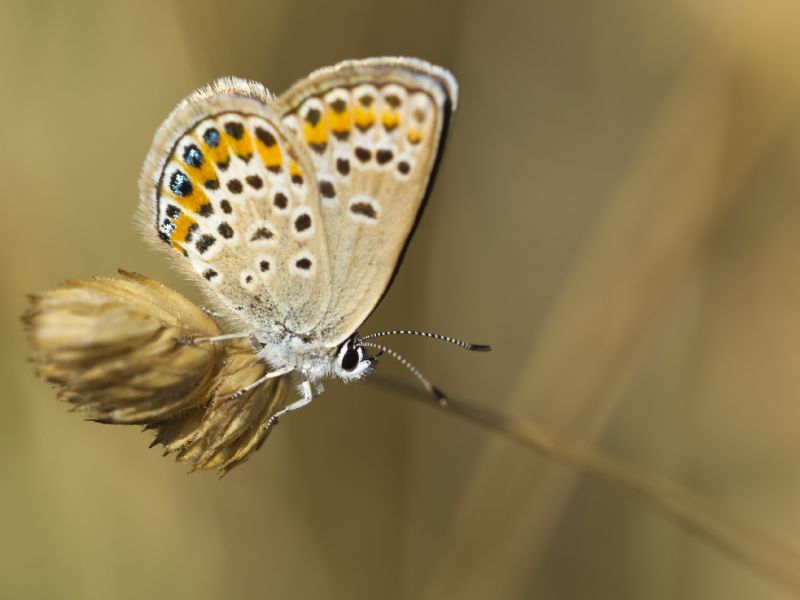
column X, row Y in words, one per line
column 313, row 360
column 294, row 212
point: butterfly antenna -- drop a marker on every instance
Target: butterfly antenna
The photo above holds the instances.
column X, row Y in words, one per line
column 435, row 391
column 436, row 336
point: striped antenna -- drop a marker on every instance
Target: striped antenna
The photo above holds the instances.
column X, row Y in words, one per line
column 435, row 336
column 436, row 392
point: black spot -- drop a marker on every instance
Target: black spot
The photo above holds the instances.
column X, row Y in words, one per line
column 341, row 135
column 190, row 232
column 234, row 129
column 389, row 126
column 318, row 148
column 205, row 242
column 172, row 211
column 224, row 164
column 245, row 157
column 262, row 233
column 193, row 156
column 280, row 200
column 326, row 189
column 403, row 167
column 366, row 100
column 298, row 179
column 274, row 168
column 235, row 186
column 264, row 265
column 211, row 137
column 212, row 184
column 180, row 185
column 383, row 156
column 167, row 227
column 209, row 274
column 343, row 166
column 225, row 230
column 248, row 279
column 302, row 222
column 254, row 181
column 313, row 116
column 265, row 137
column 364, row 208
column 363, row 154
column 393, row 101
column 339, row 106
column 205, row 210
column 304, row 264
column 226, row 207
column 164, row 236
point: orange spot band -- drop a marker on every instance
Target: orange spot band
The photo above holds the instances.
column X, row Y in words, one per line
column 182, row 225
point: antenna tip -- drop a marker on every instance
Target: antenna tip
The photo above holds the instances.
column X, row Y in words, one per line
column 440, row 396
column 479, row 347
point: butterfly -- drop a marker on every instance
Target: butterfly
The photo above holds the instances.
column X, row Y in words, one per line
column 293, row 213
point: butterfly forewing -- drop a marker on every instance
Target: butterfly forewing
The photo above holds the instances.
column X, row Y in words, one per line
column 373, row 130
column 238, row 200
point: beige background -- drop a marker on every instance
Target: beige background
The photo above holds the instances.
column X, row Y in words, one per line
column 617, row 213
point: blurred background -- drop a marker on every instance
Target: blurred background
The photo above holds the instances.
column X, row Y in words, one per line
column 617, row 213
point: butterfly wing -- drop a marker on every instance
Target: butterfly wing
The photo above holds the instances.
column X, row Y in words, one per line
column 226, row 188
column 374, row 130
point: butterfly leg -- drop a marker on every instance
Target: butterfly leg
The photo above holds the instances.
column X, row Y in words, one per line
column 217, row 338
column 210, row 312
column 258, row 382
column 305, row 399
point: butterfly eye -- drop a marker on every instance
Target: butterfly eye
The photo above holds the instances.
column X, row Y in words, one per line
column 351, row 358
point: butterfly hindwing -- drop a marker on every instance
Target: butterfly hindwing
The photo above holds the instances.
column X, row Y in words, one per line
column 228, row 188
column 374, row 130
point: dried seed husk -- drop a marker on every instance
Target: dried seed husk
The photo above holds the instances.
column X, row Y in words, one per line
column 120, row 351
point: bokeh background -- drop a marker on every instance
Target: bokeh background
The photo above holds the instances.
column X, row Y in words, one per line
column 617, row 213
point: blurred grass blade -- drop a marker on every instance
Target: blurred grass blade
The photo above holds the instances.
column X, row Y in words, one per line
column 766, row 556
column 641, row 250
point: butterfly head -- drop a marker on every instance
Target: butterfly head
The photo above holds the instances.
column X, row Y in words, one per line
column 351, row 361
